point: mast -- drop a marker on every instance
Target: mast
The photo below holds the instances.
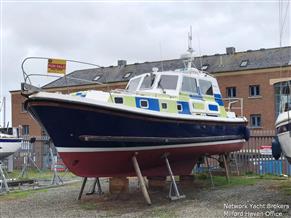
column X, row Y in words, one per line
column 4, row 111
column 190, row 48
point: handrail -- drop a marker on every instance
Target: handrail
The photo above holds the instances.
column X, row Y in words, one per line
column 234, row 101
column 26, row 75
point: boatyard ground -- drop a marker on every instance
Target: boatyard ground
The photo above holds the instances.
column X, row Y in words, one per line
column 245, row 196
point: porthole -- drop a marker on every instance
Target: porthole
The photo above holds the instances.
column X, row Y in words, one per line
column 164, row 106
column 179, row 107
column 144, row 104
column 118, row 100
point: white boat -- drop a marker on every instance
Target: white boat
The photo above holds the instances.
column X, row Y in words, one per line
column 8, row 145
column 282, row 142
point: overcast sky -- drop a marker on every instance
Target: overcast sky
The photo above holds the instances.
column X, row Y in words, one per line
column 102, row 33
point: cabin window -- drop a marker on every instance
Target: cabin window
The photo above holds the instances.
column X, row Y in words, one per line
column 256, row 121
column 118, row 100
column 231, row 92
column 147, row 82
column 168, row 82
column 179, row 107
column 254, row 90
column 206, row 87
column 144, row 104
column 189, row 85
column 164, row 106
column 133, row 84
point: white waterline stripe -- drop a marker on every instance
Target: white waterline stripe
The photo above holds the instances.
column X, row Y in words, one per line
column 66, row 149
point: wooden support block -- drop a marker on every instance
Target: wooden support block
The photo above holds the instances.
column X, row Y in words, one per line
column 157, row 182
column 118, row 184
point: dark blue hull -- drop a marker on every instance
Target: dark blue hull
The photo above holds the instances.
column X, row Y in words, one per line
column 71, row 125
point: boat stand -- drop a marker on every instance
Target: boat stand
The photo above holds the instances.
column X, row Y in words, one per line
column 56, row 180
column 141, row 179
column 3, row 182
column 28, row 160
column 93, row 187
column 226, row 166
column 82, row 188
column 174, row 193
column 209, row 171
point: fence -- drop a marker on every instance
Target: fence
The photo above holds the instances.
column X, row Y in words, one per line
column 255, row 157
column 37, row 148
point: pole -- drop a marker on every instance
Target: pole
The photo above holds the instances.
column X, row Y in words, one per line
column 226, row 167
column 141, row 180
column 82, row 188
column 4, row 112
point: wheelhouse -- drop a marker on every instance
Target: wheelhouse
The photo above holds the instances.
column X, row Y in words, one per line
column 174, row 84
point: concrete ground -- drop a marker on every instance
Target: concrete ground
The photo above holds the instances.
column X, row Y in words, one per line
column 264, row 198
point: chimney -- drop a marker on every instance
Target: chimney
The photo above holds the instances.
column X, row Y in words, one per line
column 230, row 50
column 121, row 63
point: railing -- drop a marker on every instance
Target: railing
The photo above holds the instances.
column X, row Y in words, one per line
column 255, row 157
column 234, row 104
column 252, row 158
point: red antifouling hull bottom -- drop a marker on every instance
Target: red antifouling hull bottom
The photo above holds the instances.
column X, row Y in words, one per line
column 151, row 162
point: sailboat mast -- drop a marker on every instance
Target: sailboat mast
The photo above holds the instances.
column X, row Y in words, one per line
column 4, row 111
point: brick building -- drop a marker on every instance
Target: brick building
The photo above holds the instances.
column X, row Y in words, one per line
column 248, row 75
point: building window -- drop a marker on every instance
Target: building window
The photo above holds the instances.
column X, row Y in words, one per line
column 256, row 120
column 96, row 78
column 127, row 75
column 244, row 63
column 231, row 92
column 204, row 67
column 255, row 90
column 22, row 107
column 25, row 129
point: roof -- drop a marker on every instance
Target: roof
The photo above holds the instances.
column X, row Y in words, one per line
column 218, row 63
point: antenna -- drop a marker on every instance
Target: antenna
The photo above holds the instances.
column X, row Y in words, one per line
column 162, row 64
column 190, row 49
column 4, row 111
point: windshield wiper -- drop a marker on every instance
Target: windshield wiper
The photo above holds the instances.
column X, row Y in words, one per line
column 160, row 85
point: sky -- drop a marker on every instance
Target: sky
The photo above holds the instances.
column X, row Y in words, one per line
column 137, row 31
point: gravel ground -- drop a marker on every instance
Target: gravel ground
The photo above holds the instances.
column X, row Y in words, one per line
column 263, row 199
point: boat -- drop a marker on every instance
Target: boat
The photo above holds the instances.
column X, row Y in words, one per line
column 281, row 144
column 8, row 145
column 97, row 132
column 179, row 114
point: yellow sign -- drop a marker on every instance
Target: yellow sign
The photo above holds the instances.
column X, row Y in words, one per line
column 56, row 66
